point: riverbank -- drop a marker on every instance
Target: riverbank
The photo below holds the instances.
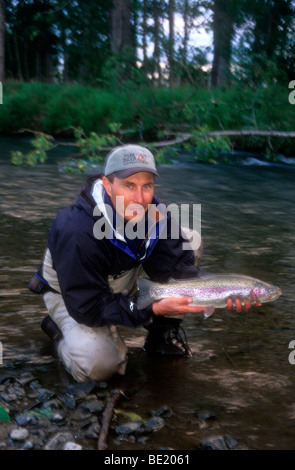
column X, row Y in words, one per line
column 70, row 415
column 95, row 416
column 146, row 114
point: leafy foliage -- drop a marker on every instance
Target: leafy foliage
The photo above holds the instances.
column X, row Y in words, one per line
column 209, row 149
column 100, row 119
column 41, row 144
column 4, row 416
column 90, row 149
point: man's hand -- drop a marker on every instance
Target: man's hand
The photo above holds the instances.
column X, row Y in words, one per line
column 238, row 307
column 175, row 306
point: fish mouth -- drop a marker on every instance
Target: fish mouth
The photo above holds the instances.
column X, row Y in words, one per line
column 276, row 292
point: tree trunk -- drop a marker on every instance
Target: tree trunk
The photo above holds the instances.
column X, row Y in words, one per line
column 185, row 33
column 222, row 36
column 17, row 57
column 49, row 71
column 171, row 42
column 65, row 55
column 144, row 36
column 156, row 54
column 2, row 41
column 121, row 31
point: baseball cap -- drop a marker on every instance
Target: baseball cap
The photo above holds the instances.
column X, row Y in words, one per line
column 128, row 159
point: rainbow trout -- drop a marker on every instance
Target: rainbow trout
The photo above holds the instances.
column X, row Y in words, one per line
column 210, row 291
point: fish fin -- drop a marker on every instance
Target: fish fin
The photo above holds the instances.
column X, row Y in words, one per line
column 208, row 311
column 143, row 299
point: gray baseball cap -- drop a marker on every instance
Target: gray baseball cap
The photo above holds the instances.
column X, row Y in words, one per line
column 126, row 160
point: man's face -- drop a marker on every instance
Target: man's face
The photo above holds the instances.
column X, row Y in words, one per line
column 131, row 196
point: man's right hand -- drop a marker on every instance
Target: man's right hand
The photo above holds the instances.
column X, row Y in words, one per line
column 176, row 306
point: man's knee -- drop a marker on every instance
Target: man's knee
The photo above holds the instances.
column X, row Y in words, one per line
column 92, row 353
column 87, row 353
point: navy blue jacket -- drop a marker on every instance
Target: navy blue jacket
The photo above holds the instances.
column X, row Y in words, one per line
column 83, row 264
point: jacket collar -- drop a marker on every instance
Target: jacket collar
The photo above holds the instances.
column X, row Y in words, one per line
column 154, row 223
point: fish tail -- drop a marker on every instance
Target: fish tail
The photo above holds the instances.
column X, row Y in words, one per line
column 144, row 299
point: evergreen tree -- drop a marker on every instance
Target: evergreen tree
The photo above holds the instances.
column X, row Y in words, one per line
column 2, row 41
column 99, row 42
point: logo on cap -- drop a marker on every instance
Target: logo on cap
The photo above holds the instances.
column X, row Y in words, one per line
column 141, row 158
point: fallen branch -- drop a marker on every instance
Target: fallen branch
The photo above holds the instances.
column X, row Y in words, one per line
column 106, row 420
column 183, row 137
column 260, row 133
column 178, row 140
column 179, row 137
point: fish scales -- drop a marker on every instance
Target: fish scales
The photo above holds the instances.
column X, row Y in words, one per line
column 209, row 291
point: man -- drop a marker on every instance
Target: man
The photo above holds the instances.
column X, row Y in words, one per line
column 97, row 249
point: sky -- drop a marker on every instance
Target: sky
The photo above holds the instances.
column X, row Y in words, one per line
column 198, row 37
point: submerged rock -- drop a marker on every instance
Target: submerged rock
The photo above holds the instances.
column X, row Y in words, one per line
column 81, row 390
column 143, row 440
column 164, row 412
column 79, row 414
column 219, row 443
column 13, row 392
column 206, row 414
column 93, row 431
column 154, row 424
column 58, row 441
column 93, row 405
column 57, row 417
column 68, row 400
column 19, row 434
column 72, row 446
column 129, row 428
column 25, row 419
column 25, row 378
column 231, row 442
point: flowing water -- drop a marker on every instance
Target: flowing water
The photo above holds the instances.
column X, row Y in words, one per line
column 248, row 227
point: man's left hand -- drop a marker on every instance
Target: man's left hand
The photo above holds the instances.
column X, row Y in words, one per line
column 238, row 306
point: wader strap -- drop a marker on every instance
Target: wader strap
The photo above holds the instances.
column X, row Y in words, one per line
column 38, row 285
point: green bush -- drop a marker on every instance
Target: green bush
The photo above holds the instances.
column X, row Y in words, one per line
column 143, row 112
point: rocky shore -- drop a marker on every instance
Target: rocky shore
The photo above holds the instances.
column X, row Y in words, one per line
column 73, row 417
column 33, row 417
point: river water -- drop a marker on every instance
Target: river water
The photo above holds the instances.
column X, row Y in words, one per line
column 248, row 227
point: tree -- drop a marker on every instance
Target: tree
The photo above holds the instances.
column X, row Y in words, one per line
column 171, row 11
column 272, row 22
column 190, row 58
column 121, row 29
column 93, row 41
column 2, row 41
column 144, row 36
column 265, row 50
column 223, row 30
column 31, row 42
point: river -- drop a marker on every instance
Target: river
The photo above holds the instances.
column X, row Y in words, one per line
column 248, row 227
